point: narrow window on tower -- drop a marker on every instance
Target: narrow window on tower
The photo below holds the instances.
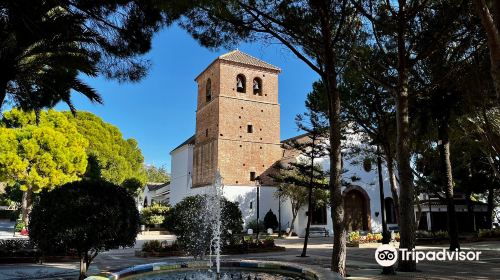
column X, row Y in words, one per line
column 241, row 83
column 208, row 92
column 257, row 86
column 252, row 176
column 206, row 133
column 250, row 128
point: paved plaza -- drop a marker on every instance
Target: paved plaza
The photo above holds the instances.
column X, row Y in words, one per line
column 360, row 262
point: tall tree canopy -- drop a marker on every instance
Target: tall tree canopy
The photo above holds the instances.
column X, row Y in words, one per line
column 40, row 157
column 111, row 157
column 46, row 45
column 118, row 159
column 405, row 33
column 157, row 174
column 489, row 13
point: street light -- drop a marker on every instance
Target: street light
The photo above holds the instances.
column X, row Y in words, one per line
column 385, row 233
column 279, row 211
column 257, row 184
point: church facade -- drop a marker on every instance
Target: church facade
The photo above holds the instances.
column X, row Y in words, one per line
column 238, row 134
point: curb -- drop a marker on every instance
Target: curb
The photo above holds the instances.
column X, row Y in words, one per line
column 306, row 271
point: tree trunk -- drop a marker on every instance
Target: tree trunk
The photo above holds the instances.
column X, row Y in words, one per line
column 83, row 268
column 309, row 219
column 295, row 211
column 329, row 77
column 491, row 206
column 493, row 34
column 406, row 191
column 26, row 204
column 392, row 181
column 419, row 213
column 470, row 211
column 447, row 184
column 336, row 199
column 292, row 227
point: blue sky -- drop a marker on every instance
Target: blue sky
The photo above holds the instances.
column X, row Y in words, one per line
column 159, row 111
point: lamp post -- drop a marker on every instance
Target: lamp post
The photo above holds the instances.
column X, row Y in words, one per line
column 381, row 190
column 385, row 233
column 279, row 211
column 257, row 184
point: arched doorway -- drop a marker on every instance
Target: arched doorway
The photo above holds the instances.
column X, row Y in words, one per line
column 357, row 209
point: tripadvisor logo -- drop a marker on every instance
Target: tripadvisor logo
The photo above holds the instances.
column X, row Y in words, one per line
column 387, row 255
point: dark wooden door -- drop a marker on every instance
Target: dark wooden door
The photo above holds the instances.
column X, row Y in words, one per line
column 355, row 211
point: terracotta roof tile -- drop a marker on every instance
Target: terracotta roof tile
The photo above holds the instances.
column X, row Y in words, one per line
column 243, row 58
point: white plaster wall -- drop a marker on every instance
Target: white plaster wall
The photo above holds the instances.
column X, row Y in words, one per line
column 368, row 181
column 301, row 222
column 247, row 195
column 182, row 168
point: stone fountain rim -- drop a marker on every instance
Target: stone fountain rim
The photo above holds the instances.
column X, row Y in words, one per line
column 308, row 271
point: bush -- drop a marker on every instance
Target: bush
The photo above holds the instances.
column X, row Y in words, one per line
column 489, row 232
column 268, row 242
column 253, row 225
column 270, row 220
column 157, row 246
column 87, row 216
column 441, row 234
column 232, row 217
column 19, row 226
column 11, row 245
column 9, row 214
column 151, row 246
column 188, row 221
column 17, row 248
column 154, row 214
column 423, row 234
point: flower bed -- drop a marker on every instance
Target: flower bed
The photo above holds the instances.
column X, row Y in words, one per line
column 247, row 244
column 355, row 238
column 238, row 244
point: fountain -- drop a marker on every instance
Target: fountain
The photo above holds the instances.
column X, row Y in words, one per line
column 224, row 270
column 213, row 209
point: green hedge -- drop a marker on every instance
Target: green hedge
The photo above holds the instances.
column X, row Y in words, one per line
column 9, row 214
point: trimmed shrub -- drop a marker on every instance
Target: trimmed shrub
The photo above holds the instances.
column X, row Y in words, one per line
column 159, row 246
column 15, row 248
column 19, row 226
column 87, row 216
column 253, row 225
column 270, row 220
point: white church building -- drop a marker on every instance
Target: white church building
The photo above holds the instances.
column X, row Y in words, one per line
column 238, row 134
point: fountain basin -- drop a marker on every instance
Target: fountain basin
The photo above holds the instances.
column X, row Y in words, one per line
column 170, row 270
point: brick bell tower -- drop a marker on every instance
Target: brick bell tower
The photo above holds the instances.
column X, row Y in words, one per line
column 237, row 120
